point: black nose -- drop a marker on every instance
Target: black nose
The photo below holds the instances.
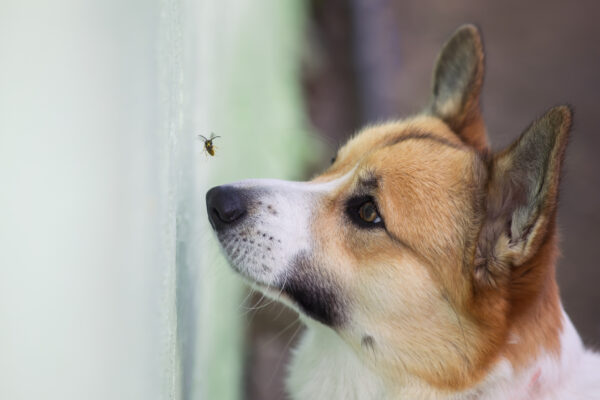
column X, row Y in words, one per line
column 225, row 205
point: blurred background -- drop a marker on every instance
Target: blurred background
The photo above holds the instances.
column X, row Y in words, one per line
column 112, row 285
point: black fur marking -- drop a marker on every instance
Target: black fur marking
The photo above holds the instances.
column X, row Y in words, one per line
column 368, row 342
column 316, row 295
column 368, row 183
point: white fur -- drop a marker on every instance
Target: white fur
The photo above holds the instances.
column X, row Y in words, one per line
column 324, row 367
column 282, row 219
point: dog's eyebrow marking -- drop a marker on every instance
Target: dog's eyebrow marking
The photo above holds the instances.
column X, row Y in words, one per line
column 426, row 136
column 368, row 182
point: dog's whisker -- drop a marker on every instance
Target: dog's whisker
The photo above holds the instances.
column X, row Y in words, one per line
column 280, row 333
column 248, row 295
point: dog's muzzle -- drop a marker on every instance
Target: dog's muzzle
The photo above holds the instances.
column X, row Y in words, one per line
column 263, row 228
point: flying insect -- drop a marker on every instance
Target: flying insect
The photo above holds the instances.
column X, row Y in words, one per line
column 209, row 147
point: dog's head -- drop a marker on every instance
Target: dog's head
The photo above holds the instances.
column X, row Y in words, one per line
column 417, row 245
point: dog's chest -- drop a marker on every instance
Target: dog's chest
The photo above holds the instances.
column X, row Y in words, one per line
column 324, row 367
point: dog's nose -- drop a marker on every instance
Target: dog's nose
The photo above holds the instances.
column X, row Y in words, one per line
column 225, row 205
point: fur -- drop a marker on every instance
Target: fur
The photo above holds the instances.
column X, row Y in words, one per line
column 422, row 264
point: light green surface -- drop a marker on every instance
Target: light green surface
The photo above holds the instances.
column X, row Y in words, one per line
column 111, row 281
column 248, row 92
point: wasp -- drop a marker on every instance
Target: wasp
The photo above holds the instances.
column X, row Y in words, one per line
column 209, row 147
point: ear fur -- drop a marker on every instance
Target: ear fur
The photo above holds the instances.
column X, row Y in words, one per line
column 522, row 195
column 457, row 81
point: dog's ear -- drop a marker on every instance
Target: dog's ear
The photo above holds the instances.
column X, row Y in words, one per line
column 457, row 81
column 522, row 196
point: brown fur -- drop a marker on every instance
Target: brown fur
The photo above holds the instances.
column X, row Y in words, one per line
column 467, row 257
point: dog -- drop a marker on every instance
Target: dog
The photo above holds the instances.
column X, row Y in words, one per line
column 422, row 264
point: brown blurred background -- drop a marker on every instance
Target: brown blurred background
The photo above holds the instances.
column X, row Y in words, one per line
column 371, row 60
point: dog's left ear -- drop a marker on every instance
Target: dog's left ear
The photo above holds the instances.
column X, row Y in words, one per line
column 522, row 196
column 457, row 81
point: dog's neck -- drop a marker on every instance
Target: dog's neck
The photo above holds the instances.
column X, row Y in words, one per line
column 541, row 358
column 325, row 367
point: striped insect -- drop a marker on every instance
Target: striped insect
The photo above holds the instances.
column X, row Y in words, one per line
column 209, row 147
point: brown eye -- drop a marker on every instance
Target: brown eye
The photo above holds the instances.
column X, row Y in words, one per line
column 368, row 213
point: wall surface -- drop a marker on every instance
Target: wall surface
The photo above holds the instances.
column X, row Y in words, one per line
column 85, row 258
column 111, row 282
column 247, row 91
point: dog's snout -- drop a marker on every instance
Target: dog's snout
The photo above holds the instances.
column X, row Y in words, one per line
column 225, row 205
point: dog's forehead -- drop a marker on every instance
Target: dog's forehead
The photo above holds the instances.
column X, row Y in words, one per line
column 391, row 147
column 392, row 132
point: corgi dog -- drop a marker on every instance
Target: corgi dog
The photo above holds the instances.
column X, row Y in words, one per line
column 422, row 264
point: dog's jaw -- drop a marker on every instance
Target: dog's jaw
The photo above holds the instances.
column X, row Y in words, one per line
column 324, row 366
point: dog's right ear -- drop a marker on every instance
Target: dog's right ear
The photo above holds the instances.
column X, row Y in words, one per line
column 457, row 81
column 521, row 202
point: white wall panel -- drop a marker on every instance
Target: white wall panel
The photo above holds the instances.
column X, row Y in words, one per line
column 111, row 283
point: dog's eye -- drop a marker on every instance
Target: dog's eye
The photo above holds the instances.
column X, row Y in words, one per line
column 362, row 211
column 333, row 159
column 368, row 213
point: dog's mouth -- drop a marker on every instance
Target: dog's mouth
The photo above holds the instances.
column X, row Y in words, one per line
column 253, row 253
column 242, row 257
column 297, row 283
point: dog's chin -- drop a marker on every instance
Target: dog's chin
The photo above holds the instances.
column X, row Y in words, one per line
column 270, row 288
column 273, row 292
column 294, row 281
